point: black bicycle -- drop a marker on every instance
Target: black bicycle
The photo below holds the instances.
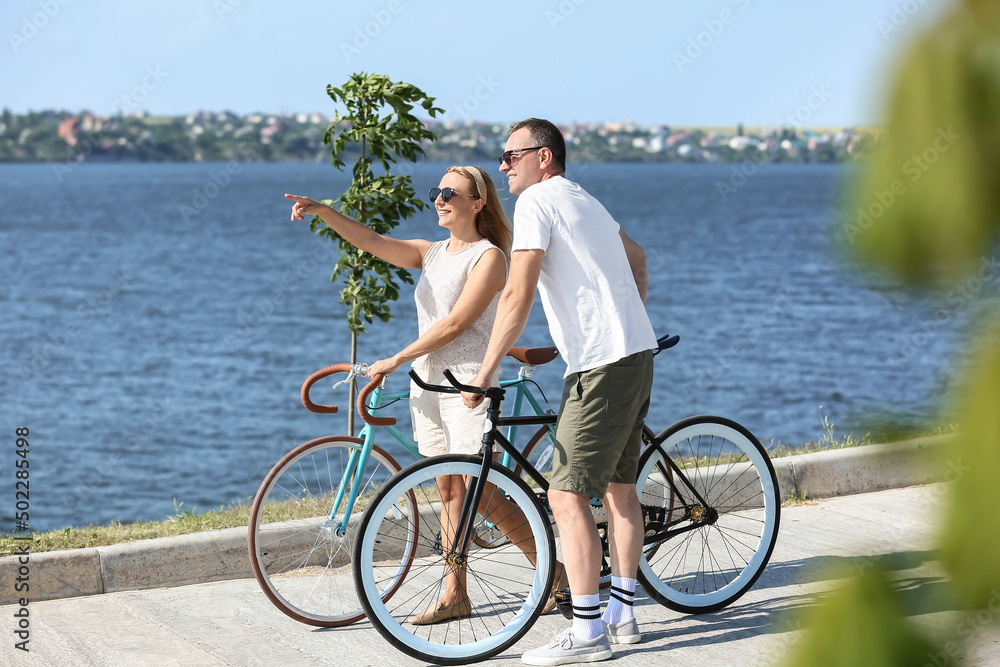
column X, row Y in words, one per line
column 710, row 503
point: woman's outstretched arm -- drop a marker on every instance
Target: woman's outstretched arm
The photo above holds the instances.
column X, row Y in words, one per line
column 408, row 254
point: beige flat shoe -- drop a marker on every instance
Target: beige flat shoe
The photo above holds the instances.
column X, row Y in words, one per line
column 437, row 613
column 562, row 581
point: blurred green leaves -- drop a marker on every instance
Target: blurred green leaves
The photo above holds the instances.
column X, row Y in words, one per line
column 927, row 207
column 928, row 204
column 971, row 536
column 861, row 624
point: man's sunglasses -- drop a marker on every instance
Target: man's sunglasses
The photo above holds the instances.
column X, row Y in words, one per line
column 445, row 194
column 510, row 155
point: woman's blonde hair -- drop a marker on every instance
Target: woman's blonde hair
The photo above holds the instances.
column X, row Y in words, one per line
column 491, row 221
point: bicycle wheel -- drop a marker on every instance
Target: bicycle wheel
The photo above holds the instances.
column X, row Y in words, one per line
column 540, row 452
column 729, row 536
column 506, row 590
column 300, row 557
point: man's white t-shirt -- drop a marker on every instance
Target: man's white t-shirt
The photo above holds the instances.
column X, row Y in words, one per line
column 591, row 301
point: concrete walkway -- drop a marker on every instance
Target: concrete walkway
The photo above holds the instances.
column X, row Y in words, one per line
column 232, row 623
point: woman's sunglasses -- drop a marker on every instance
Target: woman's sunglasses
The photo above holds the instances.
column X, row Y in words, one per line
column 445, row 194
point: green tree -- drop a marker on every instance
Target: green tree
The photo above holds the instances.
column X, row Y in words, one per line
column 380, row 127
column 927, row 207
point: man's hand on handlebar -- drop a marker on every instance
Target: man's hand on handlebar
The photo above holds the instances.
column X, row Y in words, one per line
column 473, row 400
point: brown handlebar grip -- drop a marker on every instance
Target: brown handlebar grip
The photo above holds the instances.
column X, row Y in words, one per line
column 313, row 379
column 363, row 404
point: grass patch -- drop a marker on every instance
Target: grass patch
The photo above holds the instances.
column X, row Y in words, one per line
column 830, row 440
column 182, row 522
column 797, row 499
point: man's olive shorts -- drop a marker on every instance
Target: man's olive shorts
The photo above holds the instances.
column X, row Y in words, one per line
column 599, row 432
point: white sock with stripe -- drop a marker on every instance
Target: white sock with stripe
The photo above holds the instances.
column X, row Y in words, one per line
column 620, row 603
column 587, row 616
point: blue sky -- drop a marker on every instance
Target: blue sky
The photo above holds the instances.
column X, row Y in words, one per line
column 711, row 62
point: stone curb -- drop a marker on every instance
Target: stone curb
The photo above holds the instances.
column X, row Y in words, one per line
column 841, row 472
column 222, row 554
column 158, row 563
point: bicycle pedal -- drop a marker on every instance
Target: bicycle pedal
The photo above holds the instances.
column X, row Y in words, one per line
column 564, row 602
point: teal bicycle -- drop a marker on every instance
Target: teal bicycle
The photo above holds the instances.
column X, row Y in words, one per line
column 304, row 519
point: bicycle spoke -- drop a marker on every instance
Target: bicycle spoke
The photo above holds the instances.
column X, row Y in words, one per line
column 498, row 581
column 715, row 559
column 300, row 557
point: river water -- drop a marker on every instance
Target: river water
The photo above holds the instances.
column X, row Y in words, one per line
column 158, row 320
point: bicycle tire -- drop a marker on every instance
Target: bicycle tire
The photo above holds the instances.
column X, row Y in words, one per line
column 711, row 566
column 506, row 591
column 540, row 453
column 299, row 560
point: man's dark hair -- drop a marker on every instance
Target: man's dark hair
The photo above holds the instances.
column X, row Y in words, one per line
column 544, row 133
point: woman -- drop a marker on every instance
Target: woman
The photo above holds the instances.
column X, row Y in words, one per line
column 457, row 294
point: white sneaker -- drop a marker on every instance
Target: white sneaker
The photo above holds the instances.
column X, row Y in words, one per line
column 566, row 648
column 626, row 632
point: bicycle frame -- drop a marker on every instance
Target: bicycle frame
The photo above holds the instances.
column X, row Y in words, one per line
column 667, row 533
column 357, row 463
column 474, row 495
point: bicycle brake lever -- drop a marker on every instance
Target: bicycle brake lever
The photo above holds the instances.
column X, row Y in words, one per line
column 357, row 370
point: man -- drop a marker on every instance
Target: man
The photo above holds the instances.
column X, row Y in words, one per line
column 592, row 280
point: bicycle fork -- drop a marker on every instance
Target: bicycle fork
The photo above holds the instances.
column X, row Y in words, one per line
column 477, row 488
column 357, row 463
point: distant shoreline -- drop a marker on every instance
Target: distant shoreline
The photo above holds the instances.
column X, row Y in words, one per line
column 64, row 137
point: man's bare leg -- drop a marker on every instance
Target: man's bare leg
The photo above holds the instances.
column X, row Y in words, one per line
column 625, row 529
